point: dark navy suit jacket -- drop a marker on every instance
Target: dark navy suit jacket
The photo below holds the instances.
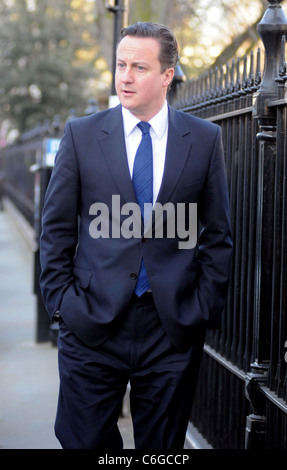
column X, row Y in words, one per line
column 91, row 280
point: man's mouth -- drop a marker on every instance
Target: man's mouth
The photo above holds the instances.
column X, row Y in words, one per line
column 128, row 92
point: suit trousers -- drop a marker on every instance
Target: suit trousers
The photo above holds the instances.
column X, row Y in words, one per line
column 93, row 381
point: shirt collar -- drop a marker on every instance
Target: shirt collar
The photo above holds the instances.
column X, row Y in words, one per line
column 158, row 122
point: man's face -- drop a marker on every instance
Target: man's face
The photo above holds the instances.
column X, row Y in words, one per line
column 140, row 85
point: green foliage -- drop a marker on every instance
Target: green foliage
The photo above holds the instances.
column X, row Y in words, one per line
column 41, row 73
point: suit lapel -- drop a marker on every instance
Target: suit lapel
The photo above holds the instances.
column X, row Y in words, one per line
column 112, row 142
column 177, row 152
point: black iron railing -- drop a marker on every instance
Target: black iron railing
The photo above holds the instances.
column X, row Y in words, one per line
column 241, row 401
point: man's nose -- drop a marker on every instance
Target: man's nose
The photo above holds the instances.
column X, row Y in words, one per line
column 127, row 75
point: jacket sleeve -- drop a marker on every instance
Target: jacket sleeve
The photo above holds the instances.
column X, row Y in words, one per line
column 59, row 236
column 215, row 240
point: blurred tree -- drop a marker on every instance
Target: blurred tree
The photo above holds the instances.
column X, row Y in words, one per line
column 241, row 20
column 211, row 32
column 47, row 55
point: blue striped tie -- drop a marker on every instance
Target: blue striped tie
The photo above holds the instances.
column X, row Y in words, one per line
column 143, row 186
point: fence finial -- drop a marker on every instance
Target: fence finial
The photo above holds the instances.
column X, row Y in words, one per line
column 271, row 28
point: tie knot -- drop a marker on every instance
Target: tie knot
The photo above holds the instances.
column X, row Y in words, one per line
column 144, row 127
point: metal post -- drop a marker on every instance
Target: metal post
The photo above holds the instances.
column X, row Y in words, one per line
column 120, row 9
column 42, row 170
column 178, row 78
column 271, row 28
column 42, row 176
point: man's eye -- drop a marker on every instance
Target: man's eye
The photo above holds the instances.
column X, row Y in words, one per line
column 121, row 66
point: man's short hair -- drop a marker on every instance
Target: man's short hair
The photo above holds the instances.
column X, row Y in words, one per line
column 168, row 55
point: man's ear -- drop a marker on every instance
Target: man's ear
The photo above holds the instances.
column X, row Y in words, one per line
column 168, row 77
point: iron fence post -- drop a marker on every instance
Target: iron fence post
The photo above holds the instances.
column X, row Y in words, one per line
column 120, row 9
column 271, row 28
column 42, row 170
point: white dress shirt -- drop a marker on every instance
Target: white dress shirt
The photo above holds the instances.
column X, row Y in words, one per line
column 158, row 133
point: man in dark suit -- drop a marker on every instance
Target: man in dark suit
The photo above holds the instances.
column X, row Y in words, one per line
column 96, row 251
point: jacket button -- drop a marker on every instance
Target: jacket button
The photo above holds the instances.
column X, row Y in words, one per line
column 133, row 276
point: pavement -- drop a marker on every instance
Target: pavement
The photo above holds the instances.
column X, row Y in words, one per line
column 28, row 370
